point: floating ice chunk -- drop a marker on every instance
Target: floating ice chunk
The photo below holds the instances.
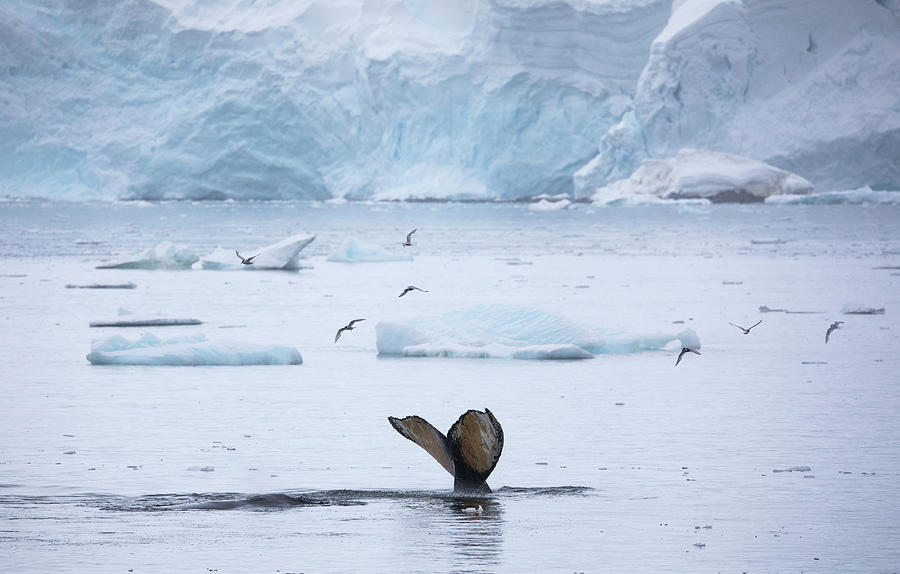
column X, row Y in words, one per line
column 863, row 195
column 159, row 322
column 545, row 205
column 165, row 255
column 793, row 469
column 510, row 331
column 698, row 174
column 103, row 286
column 857, row 309
column 353, row 250
column 190, row 350
column 282, row 255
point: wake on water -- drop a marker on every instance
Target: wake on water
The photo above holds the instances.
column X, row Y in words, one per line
column 276, row 501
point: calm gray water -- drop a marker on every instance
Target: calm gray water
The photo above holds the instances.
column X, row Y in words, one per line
column 621, row 463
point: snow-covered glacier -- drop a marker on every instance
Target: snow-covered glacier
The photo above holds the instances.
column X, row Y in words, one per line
column 428, row 99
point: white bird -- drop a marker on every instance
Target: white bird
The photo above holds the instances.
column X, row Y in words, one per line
column 684, row 351
column 831, row 328
column 408, row 242
column 747, row 330
column 246, row 260
column 349, row 327
column 411, row 288
column 472, row 510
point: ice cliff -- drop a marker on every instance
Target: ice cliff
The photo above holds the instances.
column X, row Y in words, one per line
column 810, row 87
column 473, row 99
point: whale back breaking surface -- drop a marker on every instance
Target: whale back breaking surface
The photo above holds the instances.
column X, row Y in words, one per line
column 421, row 432
column 475, row 441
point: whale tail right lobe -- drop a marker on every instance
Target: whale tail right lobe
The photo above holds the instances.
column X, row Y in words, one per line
column 469, row 452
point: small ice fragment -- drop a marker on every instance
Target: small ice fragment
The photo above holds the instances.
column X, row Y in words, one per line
column 857, row 309
column 792, row 469
column 201, row 468
column 102, row 286
column 767, row 309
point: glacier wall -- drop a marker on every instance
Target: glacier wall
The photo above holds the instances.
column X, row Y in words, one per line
column 312, row 98
column 431, row 99
column 811, row 87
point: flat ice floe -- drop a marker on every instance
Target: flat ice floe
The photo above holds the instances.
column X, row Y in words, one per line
column 165, row 255
column 190, row 350
column 102, row 286
column 511, row 331
column 353, row 250
column 156, row 322
column 284, row 255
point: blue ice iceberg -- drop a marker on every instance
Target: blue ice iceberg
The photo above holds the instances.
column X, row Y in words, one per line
column 164, row 255
column 190, row 350
column 511, row 331
column 353, row 250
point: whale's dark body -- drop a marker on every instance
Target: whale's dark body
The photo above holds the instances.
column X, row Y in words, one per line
column 469, row 452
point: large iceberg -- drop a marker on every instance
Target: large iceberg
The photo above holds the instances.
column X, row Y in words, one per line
column 284, row 255
column 421, row 99
column 188, row 350
column 511, row 331
column 696, row 174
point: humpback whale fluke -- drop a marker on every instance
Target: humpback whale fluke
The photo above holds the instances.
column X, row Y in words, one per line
column 469, row 452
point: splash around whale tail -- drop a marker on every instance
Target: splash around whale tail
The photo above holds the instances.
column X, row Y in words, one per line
column 469, row 452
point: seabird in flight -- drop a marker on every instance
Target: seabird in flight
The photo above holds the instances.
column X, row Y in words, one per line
column 747, row 330
column 684, row 351
column 246, row 261
column 349, row 327
column 411, row 288
column 833, row 327
column 408, row 242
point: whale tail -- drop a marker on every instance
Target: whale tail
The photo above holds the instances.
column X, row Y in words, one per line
column 469, row 452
